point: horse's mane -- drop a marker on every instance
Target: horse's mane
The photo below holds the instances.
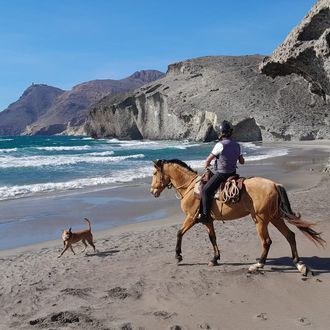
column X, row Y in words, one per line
column 180, row 162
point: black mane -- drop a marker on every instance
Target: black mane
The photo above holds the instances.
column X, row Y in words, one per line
column 180, row 162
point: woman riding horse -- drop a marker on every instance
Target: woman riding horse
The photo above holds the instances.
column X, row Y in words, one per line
column 264, row 199
column 227, row 152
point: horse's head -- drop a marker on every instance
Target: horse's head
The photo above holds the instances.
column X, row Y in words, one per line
column 159, row 178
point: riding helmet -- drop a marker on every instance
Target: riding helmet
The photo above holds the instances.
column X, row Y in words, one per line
column 225, row 128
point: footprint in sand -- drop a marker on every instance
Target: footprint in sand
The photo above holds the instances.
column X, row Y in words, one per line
column 118, row 293
column 164, row 315
column 63, row 319
column 304, row 321
column 176, row 327
column 262, row 316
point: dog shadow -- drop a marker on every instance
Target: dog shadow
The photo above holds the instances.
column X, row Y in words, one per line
column 102, row 254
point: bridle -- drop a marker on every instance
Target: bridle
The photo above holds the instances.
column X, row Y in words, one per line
column 162, row 185
column 170, row 184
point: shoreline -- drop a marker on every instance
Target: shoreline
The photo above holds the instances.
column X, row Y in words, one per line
column 52, row 213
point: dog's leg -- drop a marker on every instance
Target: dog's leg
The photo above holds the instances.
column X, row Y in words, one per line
column 72, row 249
column 90, row 242
column 66, row 246
column 84, row 242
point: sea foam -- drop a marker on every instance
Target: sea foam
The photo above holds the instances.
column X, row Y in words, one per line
column 17, row 191
column 59, row 160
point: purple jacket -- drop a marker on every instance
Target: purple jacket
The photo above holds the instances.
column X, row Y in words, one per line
column 227, row 152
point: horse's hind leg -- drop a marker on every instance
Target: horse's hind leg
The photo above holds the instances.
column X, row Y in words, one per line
column 290, row 237
column 262, row 229
column 188, row 223
column 213, row 239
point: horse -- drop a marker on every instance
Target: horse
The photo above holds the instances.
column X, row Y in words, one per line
column 265, row 200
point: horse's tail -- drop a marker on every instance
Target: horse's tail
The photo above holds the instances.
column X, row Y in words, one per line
column 286, row 213
column 89, row 223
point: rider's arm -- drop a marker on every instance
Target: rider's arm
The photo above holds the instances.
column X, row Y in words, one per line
column 217, row 149
column 209, row 160
column 241, row 159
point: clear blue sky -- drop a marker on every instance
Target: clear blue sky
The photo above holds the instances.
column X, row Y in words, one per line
column 65, row 42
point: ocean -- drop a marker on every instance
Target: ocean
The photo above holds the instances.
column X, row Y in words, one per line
column 32, row 165
column 51, row 183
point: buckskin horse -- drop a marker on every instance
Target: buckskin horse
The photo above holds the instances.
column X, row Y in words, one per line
column 264, row 199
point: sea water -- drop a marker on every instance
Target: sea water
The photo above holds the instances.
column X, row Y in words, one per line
column 31, row 165
column 51, row 183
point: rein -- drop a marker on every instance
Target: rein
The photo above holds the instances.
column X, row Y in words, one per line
column 170, row 185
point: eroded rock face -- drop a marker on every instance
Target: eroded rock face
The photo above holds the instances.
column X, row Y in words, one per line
column 306, row 51
column 196, row 95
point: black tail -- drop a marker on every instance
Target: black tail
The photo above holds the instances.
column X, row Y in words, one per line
column 286, row 213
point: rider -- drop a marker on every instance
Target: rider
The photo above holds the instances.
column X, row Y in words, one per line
column 226, row 154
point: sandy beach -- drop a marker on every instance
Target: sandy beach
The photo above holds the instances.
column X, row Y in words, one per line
column 133, row 281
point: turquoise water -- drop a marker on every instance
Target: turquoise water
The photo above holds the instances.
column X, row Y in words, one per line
column 36, row 164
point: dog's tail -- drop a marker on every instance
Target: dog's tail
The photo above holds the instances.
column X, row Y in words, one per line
column 89, row 223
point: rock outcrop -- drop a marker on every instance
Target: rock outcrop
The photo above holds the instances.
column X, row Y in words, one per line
column 196, row 95
column 306, row 51
column 45, row 110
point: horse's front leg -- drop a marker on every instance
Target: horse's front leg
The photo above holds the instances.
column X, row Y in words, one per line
column 188, row 223
column 213, row 239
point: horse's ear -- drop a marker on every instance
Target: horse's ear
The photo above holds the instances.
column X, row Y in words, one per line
column 157, row 163
column 70, row 230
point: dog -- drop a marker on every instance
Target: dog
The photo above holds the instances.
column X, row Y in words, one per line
column 70, row 238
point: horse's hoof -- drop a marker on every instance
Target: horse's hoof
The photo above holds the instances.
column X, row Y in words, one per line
column 212, row 263
column 178, row 258
column 307, row 271
column 255, row 268
column 303, row 269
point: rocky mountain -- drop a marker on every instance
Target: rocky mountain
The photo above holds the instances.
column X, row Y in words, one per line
column 281, row 97
column 34, row 102
column 45, row 110
column 196, row 95
column 306, row 51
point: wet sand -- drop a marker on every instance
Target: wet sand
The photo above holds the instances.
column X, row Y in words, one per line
column 133, row 281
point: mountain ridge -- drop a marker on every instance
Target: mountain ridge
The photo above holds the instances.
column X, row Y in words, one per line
column 62, row 110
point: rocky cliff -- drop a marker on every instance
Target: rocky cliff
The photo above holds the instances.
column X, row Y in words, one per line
column 306, row 51
column 196, row 95
column 45, row 110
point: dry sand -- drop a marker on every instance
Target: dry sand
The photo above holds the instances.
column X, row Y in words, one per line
column 133, row 281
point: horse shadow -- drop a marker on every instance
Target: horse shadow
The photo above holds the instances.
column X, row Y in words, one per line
column 102, row 254
column 319, row 265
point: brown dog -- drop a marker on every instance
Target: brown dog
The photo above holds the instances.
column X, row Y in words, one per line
column 70, row 238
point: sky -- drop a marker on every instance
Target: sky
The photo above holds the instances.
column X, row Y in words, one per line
column 66, row 42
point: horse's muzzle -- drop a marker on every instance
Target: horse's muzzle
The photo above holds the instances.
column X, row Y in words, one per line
column 155, row 192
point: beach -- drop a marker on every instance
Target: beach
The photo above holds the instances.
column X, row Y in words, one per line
column 133, row 281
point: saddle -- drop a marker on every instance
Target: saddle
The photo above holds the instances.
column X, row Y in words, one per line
column 229, row 191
